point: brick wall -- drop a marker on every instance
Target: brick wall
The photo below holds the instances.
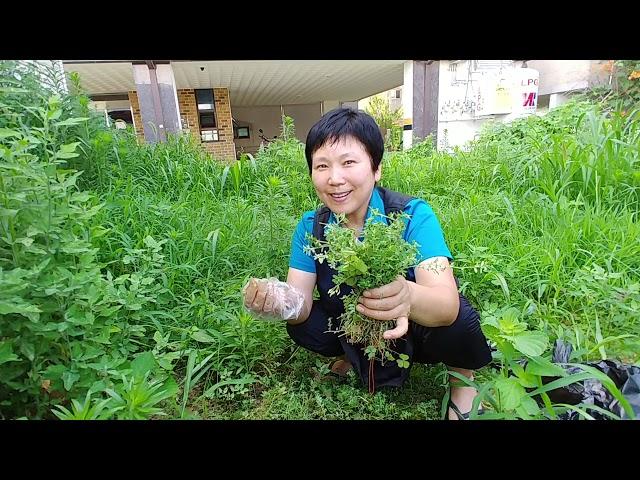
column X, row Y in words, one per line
column 137, row 118
column 188, row 111
column 224, row 149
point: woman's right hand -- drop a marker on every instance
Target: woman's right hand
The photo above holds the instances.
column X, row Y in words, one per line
column 270, row 297
column 257, row 296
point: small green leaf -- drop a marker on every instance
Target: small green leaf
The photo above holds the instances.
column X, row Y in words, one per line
column 26, row 241
column 69, row 147
column 359, row 265
column 71, row 122
column 67, row 155
column 6, row 133
column 27, row 349
column 530, row 406
column 202, row 336
column 509, row 323
column 69, row 378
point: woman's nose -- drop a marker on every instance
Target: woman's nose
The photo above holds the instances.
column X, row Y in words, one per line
column 336, row 177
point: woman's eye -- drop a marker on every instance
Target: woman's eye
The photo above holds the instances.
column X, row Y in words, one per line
column 349, row 162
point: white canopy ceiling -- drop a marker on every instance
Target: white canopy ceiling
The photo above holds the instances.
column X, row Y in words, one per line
column 257, row 82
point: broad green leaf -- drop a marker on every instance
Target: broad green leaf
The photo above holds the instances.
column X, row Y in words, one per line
column 69, row 147
column 544, row 368
column 166, row 360
column 532, row 344
column 6, row 353
column 157, row 336
column 80, row 196
column 510, row 391
column 526, row 379
column 509, row 322
column 490, row 331
column 54, row 114
column 143, row 363
column 76, row 315
column 17, row 306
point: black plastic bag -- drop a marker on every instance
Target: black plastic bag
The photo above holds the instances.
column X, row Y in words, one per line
column 591, row 391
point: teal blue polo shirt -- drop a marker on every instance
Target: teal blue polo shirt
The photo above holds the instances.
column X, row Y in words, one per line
column 422, row 227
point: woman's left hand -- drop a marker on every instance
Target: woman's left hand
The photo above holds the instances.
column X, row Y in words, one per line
column 389, row 302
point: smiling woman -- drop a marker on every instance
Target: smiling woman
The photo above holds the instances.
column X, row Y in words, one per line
column 343, row 177
column 433, row 322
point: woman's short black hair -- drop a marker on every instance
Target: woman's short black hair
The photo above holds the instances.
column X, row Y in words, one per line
column 346, row 122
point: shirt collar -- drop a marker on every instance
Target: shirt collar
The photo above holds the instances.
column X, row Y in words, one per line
column 375, row 203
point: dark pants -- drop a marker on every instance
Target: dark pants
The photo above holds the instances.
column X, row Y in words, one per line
column 461, row 344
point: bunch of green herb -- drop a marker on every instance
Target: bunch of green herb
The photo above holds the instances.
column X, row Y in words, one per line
column 372, row 262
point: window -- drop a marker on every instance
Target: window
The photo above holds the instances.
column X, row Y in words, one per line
column 207, row 115
column 124, row 115
column 241, row 132
column 396, row 93
column 209, row 135
column 207, row 120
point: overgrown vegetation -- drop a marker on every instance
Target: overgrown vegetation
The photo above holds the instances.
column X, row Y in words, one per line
column 121, row 264
column 389, row 120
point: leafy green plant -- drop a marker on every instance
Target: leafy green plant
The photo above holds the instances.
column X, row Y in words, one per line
column 387, row 119
column 376, row 260
column 519, row 389
column 622, row 90
column 137, row 398
column 141, row 390
column 86, row 410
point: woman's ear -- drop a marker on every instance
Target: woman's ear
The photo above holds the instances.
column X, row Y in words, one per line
column 378, row 173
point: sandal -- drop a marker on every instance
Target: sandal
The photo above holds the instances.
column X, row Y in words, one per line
column 340, row 368
column 459, row 414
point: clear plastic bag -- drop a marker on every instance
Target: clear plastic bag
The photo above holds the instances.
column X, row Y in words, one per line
column 282, row 301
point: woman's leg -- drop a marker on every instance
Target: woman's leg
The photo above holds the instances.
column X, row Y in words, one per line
column 461, row 346
column 461, row 395
column 313, row 334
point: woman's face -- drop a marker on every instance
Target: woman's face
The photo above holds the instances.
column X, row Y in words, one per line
column 343, row 177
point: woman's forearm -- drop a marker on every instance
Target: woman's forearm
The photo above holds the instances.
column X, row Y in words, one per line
column 305, row 311
column 435, row 306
